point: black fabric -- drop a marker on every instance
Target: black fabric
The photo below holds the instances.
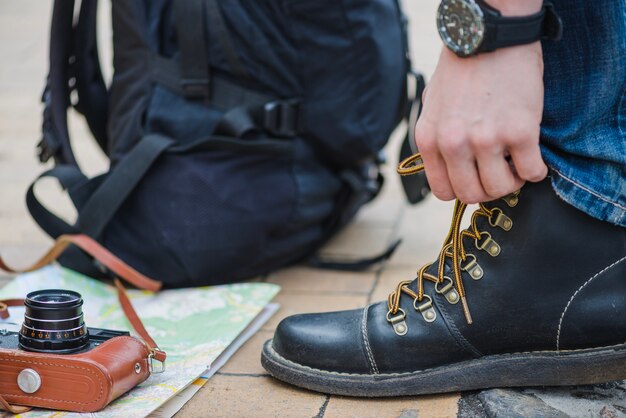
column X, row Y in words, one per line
column 112, row 193
column 224, row 94
column 218, row 25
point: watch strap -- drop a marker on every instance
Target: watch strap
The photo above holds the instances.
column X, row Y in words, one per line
column 505, row 31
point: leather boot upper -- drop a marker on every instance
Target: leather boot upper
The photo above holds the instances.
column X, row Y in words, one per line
column 558, row 282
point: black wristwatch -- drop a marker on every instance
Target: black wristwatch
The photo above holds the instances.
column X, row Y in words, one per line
column 468, row 27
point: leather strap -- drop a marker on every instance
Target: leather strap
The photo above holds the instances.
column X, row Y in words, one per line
column 100, row 253
column 134, row 320
column 4, row 305
column 14, row 409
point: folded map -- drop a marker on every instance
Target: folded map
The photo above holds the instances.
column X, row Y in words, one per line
column 194, row 326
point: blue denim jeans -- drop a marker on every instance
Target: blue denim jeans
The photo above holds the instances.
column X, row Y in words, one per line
column 583, row 132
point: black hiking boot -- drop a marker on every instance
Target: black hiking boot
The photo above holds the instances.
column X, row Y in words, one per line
column 533, row 293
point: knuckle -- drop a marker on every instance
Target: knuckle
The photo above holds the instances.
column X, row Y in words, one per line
column 534, row 173
column 470, row 198
column 484, row 142
column 425, row 143
column 522, row 134
column 423, row 138
column 497, row 190
column 470, row 195
column 451, row 144
column 443, row 194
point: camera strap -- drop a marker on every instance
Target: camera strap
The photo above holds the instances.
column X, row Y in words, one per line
column 117, row 266
column 14, row 409
column 98, row 252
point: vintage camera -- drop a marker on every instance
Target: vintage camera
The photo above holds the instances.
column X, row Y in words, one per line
column 56, row 362
column 54, row 324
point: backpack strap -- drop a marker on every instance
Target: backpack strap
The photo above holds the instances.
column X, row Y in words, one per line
column 96, row 200
column 93, row 98
column 416, row 188
column 119, row 183
column 259, row 111
column 55, row 141
column 193, row 46
column 74, row 66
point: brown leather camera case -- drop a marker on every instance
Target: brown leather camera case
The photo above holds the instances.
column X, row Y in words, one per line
column 84, row 382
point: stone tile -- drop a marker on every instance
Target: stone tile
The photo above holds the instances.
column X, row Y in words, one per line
column 19, row 229
column 19, row 256
column 605, row 400
column 388, row 280
column 358, row 240
column 295, row 303
column 310, row 280
column 422, row 229
column 515, row 404
column 437, row 406
column 247, row 360
column 245, row 396
column 424, row 40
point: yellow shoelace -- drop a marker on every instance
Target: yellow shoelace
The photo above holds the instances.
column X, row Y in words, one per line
column 453, row 247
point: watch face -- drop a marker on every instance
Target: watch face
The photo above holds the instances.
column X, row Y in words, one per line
column 461, row 25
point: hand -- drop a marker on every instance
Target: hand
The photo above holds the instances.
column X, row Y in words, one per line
column 479, row 130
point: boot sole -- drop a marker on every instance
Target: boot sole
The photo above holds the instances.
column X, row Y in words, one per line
column 541, row 368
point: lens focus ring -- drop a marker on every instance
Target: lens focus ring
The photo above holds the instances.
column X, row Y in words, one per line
column 53, row 322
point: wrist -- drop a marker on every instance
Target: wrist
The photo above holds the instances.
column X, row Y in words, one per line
column 516, row 7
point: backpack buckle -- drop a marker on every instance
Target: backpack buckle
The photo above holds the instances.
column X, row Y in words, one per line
column 280, row 118
column 195, row 88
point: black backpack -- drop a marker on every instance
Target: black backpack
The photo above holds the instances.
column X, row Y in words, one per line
column 241, row 134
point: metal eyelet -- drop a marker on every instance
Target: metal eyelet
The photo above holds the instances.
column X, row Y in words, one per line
column 500, row 219
column 512, row 199
column 398, row 322
column 473, row 268
column 488, row 244
column 448, row 290
column 426, row 309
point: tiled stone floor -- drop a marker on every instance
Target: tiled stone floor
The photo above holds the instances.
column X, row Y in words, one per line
column 242, row 388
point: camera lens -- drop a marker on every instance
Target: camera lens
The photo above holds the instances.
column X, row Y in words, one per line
column 53, row 322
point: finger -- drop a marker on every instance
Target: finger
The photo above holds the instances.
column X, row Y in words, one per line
column 496, row 174
column 461, row 167
column 463, row 174
column 527, row 160
column 434, row 165
column 437, row 175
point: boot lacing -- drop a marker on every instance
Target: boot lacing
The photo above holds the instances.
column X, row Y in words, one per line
column 453, row 247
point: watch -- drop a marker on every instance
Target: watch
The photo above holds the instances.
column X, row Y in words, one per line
column 468, row 27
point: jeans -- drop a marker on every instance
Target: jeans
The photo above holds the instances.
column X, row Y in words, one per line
column 583, row 131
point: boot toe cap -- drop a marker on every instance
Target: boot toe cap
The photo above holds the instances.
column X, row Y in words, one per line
column 326, row 341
